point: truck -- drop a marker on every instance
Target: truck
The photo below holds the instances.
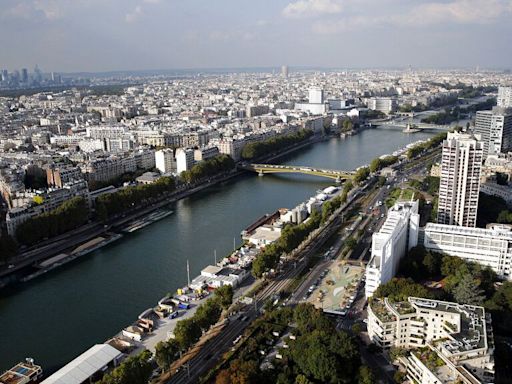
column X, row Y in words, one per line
column 182, row 305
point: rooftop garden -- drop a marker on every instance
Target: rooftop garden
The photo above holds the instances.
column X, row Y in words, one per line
column 379, row 309
column 429, row 358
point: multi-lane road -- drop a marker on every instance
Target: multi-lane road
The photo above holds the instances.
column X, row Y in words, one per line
column 212, row 351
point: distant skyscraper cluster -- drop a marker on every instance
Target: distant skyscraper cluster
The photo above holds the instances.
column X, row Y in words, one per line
column 25, row 79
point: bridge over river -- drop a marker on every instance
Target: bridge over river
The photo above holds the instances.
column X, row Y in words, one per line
column 262, row 169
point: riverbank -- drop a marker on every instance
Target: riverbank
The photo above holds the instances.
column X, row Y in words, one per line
column 66, row 242
column 93, row 297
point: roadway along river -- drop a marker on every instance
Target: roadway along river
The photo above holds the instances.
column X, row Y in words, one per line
column 56, row 317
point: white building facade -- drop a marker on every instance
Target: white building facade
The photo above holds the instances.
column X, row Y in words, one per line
column 184, row 159
column 165, row 161
column 495, row 128
column 398, row 234
column 504, row 97
column 490, row 247
column 445, row 342
column 461, row 165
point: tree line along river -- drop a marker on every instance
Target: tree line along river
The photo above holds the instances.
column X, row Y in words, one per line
column 56, row 317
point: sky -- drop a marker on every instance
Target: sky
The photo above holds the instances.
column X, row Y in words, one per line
column 106, row 35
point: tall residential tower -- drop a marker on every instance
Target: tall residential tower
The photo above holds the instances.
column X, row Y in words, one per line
column 461, row 163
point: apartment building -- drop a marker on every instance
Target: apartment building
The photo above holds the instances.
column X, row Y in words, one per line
column 165, row 161
column 205, row 153
column 49, row 200
column 491, row 247
column 495, row 129
column 444, row 342
column 398, row 234
column 106, row 132
column 106, row 169
column 461, row 163
column 504, row 98
column 58, row 176
column 184, row 159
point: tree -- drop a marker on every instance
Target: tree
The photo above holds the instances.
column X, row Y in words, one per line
column 69, row 215
column 351, row 243
column 361, row 174
column 356, row 328
column 468, row 291
column 187, row 332
column 208, row 314
column 347, row 126
column 225, row 295
column 301, row 379
column 239, row 372
column 399, row 377
column 257, row 149
column 366, row 375
column 399, row 289
column 134, row 370
column 166, row 353
column 431, row 262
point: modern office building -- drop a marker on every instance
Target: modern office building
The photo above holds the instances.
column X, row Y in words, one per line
column 490, row 247
column 382, row 104
column 504, row 97
column 444, row 342
column 461, row 164
column 316, row 95
column 495, row 129
column 398, row 234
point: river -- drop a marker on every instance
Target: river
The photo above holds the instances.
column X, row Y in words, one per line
column 59, row 315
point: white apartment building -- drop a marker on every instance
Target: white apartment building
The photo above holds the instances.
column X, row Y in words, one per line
column 108, row 168
column 184, row 159
column 398, row 234
column 445, row 342
column 119, row 144
column 231, row 146
column 145, row 158
column 91, row 145
column 491, row 247
column 495, row 128
column 504, row 97
column 165, row 161
column 104, row 132
column 461, row 164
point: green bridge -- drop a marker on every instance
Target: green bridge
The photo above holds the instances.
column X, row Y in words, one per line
column 262, row 169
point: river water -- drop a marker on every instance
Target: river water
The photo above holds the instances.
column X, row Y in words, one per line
column 56, row 317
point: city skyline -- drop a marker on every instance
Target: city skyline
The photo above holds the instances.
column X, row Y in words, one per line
column 94, row 36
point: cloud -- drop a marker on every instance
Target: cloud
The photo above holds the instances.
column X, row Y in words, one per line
column 309, row 8
column 132, row 16
column 426, row 14
column 151, row 1
column 35, row 9
column 458, row 11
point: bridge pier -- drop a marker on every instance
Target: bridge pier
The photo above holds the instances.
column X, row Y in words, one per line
column 260, row 173
column 338, row 180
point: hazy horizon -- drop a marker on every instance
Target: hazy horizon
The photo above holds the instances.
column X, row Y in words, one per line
column 96, row 36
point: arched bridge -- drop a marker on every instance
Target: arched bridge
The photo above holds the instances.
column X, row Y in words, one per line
column 261, row 169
